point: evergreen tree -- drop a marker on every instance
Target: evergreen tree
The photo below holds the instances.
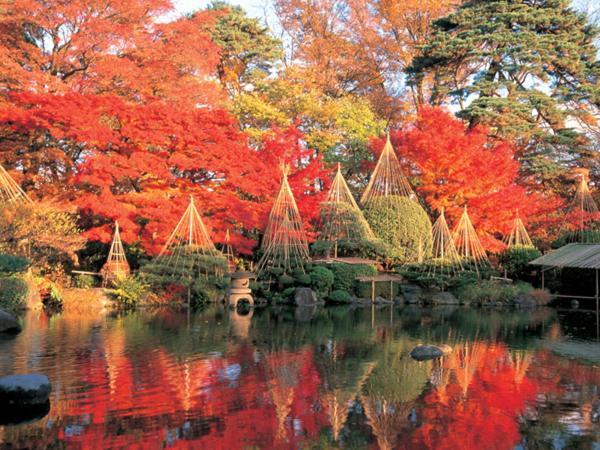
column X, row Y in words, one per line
column 526, row 68
column 246, row 46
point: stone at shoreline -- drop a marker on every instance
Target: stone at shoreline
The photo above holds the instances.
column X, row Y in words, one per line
column 411, row 293
column 443, row 298
column 383, row 301
column 24, row 390
column 304, row 296
column 425, row 352
column 8, row 324
column 524, row 301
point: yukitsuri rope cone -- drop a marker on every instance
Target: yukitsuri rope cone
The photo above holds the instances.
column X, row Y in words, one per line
column 10, row 191
column 387, row 178
column 445, row 258
column 189, row 251
column 386, row 202
column 467, row 243
column 116, row 266
column 341, row 219
column 587, row 211
column 284, row 244
column 518, row 236
column 228, row 251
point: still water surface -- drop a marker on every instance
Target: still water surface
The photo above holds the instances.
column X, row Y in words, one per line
column 326, row 378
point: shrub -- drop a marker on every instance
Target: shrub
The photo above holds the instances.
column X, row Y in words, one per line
column 428, row 276
column 52, row 235
column 13, row 293
column 516, row 260
column 303, row 279
column 11, row 264
column 541, row 296
column 321, row 280
column 128, row 291
column 285, row 280
column 83, row 281
column 339, row 296
column 345, row 274
column 491, row 292
column 402, row 225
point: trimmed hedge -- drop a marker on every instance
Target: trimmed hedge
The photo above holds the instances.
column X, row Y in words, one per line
column 516, row 260
column 13, row 293
column 402, row 225
column 13, row 264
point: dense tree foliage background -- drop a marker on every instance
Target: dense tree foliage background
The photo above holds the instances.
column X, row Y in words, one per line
column 125, row 108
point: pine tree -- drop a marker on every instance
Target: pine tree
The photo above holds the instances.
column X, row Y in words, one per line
column 523, row 68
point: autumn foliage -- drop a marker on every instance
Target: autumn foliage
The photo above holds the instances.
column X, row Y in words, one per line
column 454, row 166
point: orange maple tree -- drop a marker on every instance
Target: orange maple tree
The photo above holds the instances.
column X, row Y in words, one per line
column 114, row 106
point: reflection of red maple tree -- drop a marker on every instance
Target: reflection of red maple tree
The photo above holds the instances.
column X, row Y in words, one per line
column 483, row 416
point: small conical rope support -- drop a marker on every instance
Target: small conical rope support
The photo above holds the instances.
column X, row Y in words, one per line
column 284, row 243
column 116, row 266
column 387, row 178
column 467, row 242
column 518, row 236
column 341, row 218
column 10, row 191
column 445, row 257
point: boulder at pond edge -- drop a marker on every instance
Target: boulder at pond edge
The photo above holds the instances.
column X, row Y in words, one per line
column 24, row 390
column 8, row 324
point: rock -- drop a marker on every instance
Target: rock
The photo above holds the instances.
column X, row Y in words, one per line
column 443, row 298
column 8, row 324
column 304, row 296
column 425, row 352
column 524, row 301
column 574, row 304
column 24, row 390
column 382, row 301
column 411, row 293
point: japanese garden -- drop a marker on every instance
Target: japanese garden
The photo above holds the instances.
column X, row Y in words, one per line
column 300, row 224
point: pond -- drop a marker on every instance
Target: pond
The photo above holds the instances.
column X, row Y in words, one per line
column 311, row 378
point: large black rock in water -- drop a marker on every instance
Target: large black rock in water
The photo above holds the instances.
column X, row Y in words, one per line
column 425, row 352
column 8, row 324
column 24, row 390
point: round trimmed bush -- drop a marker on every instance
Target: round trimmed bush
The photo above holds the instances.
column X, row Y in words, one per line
column 13, row 264
column 402, row 225
column 321, row 280
column 339, row 296
column 516, row 260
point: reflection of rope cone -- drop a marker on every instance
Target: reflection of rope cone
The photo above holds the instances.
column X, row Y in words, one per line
column 467, row 363
column 521, row 362
column 386, row 419
column 240, row 323
column 282, row 384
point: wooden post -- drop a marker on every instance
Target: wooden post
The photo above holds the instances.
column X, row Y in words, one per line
column 392, row 290
column 542, row 278
column 373, row 290
column 597, row 308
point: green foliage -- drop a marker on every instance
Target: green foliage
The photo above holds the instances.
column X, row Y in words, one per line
column 491, row 292
column 527, row 66
column 83, row 281
column 285, row 280
column 13, row 293
column 345, row 274
column 516, row 260
column 429, row 275
column 339, row 296
column 585, row 236
column 402, row 225
column 129, row 291
column 321, row 280
column 11, row 264
column 245, row 45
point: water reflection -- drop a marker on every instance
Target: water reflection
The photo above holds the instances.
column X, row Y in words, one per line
column 283, row 378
